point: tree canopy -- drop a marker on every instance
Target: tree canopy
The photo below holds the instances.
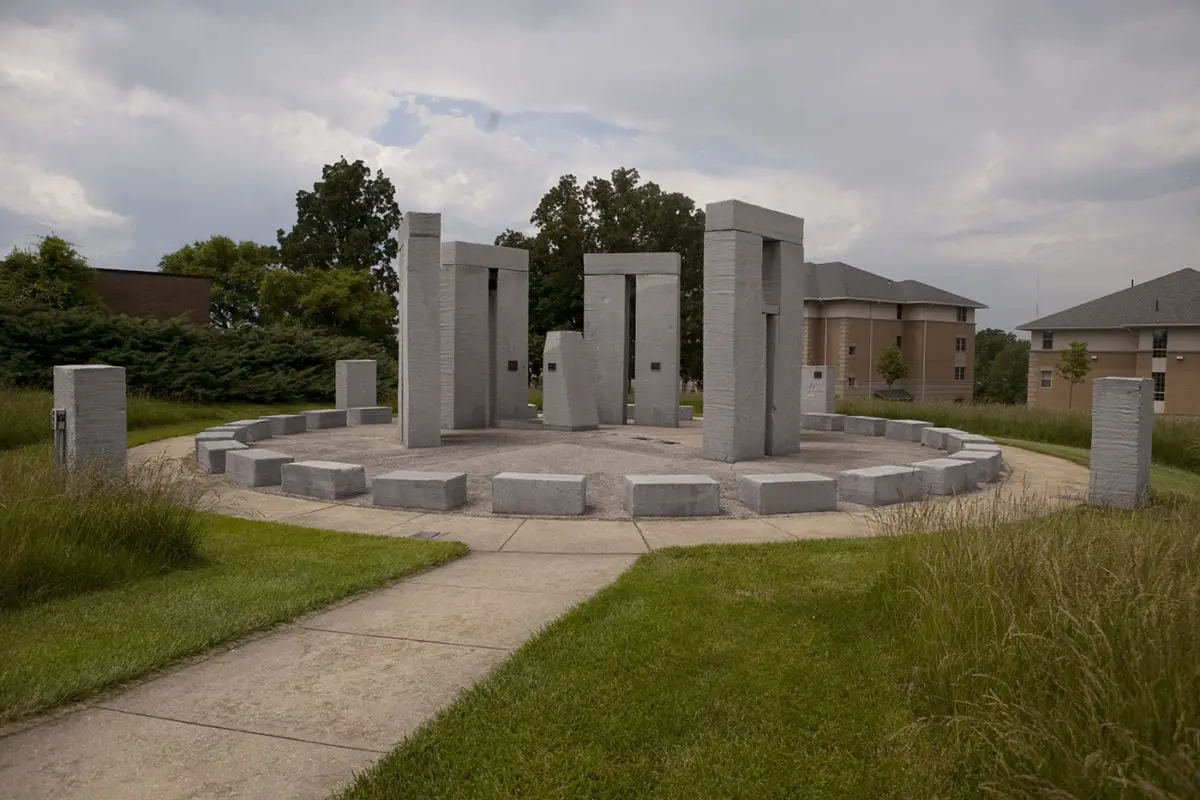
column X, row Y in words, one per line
column 891, row 366
column 237, row 270
column 51, row 275
column 1001, row 367
column 1073, row 366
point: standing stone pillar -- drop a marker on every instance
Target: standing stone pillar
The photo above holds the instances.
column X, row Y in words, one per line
column 355, row 383
column 420, row 391
column 93, row 397
column 606, row 328
column 656, row 350
column 818, row 389
column 568, row 391
column 1122, row 435
column 753, row 331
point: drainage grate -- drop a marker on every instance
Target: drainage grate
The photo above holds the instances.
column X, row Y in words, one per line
column 425, row 535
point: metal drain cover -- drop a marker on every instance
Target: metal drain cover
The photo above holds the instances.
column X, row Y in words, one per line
column 425, row 535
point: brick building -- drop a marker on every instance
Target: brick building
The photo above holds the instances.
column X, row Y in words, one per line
column 1150, row 330
column 851, row 316
column 135, row 293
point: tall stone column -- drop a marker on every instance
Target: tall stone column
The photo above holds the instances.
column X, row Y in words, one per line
column 1122, row 438
column 656, row 351
column 420, row 390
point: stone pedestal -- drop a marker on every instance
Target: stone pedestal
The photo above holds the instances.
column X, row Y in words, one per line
column 817, row 385
column 355, row 383
column 93, row 397
column 1122, row 435
column 568, row 394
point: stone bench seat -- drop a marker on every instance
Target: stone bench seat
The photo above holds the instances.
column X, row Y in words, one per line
column 814, row 421
column 987, row 463
column 287, row 424
column 255, row 467
column 210, row 455
column 865, row 426
column 219, row 435
column 257, row 430
column 906, row 430
column 788, row 493
column 325, row 480
column 936, row 437
column 956, row 441
column 369, row 415
column 436, row 491
column 946, row 476
column 879, row 486
column 672, row 496
column 538, row 494
column 325, row 418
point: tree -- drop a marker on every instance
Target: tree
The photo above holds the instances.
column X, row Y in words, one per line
column 1001, row 367
column 342, row 301
column 614, row 215
column 891, row 366
column 1073, row 366
column 346, row 222
column 51, row 275
column 237, row 270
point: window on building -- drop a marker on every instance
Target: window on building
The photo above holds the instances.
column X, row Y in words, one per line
column 899, row 341
column 960, row 344
column 853, row 349
column 1047, row 340
column 1047, row 378
column 1160, row 385
column 899, row 311
column 960, row 373
column 851, row 382
column 1159, row 347
column 962, row 314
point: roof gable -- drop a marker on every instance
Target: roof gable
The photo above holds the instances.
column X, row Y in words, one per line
column 1172, row 299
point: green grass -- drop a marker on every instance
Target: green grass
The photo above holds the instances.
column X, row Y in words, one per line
column 252, row 575
column 731, row 671
column 1164, row 481
column 67, row 532
column 25, row 416
column 1176, row 439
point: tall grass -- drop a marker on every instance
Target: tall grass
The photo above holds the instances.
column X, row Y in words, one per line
column 1176, row 439
column 64, row 532
column 1059, row 656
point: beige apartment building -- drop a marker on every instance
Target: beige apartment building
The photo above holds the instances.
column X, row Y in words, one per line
column 1149, row 330
column 851, row 316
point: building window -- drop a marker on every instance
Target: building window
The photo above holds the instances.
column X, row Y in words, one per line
column 1160, row 385
column 962, row 314
column 1159, row 348
column 960, row 373
column 1047, row 340
column 853, row 349
column 1047, row 378
column 899, row 341
column 960, row 344
column 899, row 311
column 851, row 382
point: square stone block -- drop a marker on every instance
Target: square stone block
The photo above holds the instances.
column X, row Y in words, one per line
column 439, row 491
column 287, row 424
column 879, row 486
column 672, row 496
column 372, row 415
column 687, row 413
column 788, row 493
column 906, row 430
column 531, row 410
column 946, row 476
column 629, row 410
column 823, row 422
column 210, row 455
column 936, row 437
column 221, row 435
column 865, row 426
column 257, row 430
column 354, row 383
column 987, row 464
column 327, row 480
column 956, row 441
column 985, row 446
column 255, row 467
column 93, row 398
column 325, row 418
column 536, row 494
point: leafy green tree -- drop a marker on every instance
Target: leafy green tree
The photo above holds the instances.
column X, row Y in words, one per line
column 1073, row 367
column 1001, row 367
column 618, row 214
column 346, row 222
column 237, row 269
column 341, row 301
column 51, row 275
column 890, row 365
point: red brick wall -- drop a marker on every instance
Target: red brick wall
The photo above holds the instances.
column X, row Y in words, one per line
column 153, row 294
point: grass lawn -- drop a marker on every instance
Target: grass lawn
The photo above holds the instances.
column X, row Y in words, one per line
column 728, row 671
column 253, row 575
column 1163, row 479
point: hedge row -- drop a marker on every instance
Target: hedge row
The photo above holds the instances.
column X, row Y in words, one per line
column 181, row 361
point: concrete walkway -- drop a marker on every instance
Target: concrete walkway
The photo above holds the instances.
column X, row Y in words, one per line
column 295, row 713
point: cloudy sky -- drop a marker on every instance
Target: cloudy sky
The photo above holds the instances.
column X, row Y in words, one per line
column 989, row 148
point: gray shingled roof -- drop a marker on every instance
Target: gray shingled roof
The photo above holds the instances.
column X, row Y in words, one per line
column 838, row 281
column 1173, row 299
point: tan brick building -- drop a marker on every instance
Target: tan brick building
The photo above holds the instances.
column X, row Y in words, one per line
column 851, row 316
column 1150, row 330
column 138, row 293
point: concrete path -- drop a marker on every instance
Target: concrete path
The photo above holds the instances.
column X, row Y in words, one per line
column 295, row 713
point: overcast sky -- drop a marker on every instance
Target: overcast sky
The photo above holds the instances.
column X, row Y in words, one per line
column 978, row 146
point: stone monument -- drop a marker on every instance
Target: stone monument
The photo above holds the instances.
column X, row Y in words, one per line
column 419, row 391
column 568, row 388
column 90, row 421
column 1122, row 435
column 817, row 385
column 753, row 331
column 484, row 310
column 606, row 297
column 355, row 383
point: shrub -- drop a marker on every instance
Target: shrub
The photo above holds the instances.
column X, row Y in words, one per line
column 1059, row 656
column 64, row 532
